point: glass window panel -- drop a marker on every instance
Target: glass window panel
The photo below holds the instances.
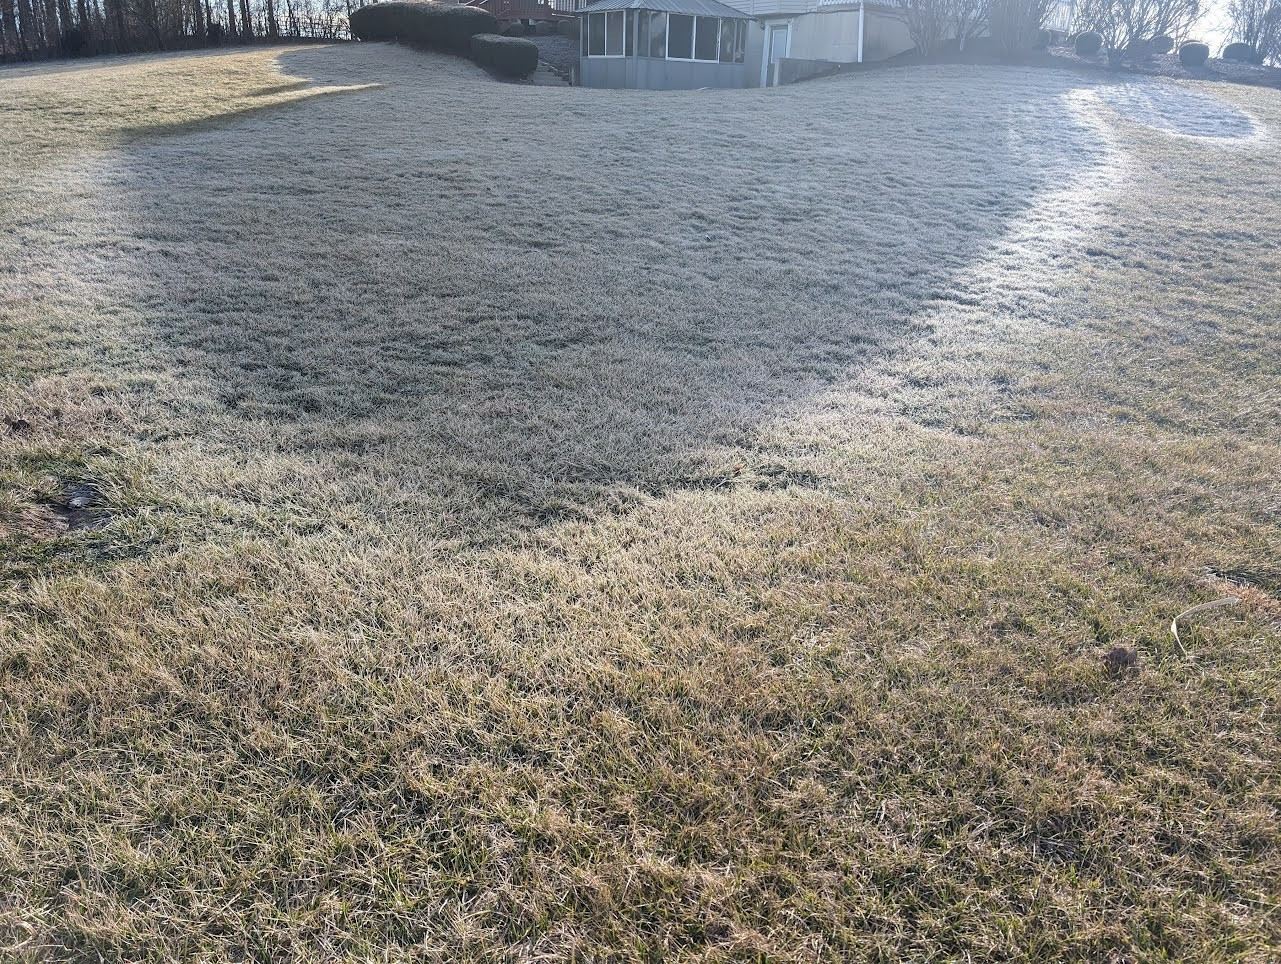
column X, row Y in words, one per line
column 705, row 38
column 737, row 38
column 614, row 34
column 642, row 33
column 596, row 34
column 629, row 34
column 729, row 30
column 657, row 34
column 680, row 36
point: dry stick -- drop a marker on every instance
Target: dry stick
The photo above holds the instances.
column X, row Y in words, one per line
column 1174, row 625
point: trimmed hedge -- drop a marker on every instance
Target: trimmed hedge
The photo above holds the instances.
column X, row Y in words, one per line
column 1241, row 53
column 1162, row 44
column 1193, row 54
column 1088, row 44
column 509, row 56
column 439, row 25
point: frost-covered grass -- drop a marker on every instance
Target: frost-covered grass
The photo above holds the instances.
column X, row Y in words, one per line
column 448, row 518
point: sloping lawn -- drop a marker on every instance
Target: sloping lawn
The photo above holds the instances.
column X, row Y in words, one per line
column 441, row 518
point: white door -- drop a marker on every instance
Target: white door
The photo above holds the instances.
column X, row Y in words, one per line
column 778, row 38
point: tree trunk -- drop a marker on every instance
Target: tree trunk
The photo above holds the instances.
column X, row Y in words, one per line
column 65, row 20
column 52, row 28
column 147, row 12
column 12, row 39
column 115, row 13
column 26, row 27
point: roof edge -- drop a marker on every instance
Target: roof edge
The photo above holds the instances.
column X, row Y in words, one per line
column 693, row 8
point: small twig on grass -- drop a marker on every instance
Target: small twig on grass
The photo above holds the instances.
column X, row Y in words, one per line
column 1204, row 607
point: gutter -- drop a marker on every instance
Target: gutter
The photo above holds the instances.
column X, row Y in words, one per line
column 861, row 5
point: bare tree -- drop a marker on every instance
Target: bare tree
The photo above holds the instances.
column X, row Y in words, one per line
column 28, row 39
column 49, row 28
column 933, row 23
column 146, row 15
column 118, row 27
column 1015, row 25
column 968, row 19
column 1127, row 25
column 1258, row 23
column 927, row 25
column 13, row 39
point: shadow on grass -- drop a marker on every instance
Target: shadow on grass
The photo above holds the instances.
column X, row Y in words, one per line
column 459, row 301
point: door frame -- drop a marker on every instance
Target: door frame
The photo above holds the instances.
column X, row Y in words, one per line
column 771, row 25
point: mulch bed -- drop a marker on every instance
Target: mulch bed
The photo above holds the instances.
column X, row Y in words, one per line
column 1167, row 65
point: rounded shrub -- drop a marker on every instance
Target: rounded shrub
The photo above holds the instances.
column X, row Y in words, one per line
column 1239, row 52
column 1162, row 44
column 378, row 21
column 1088, row 44
column 509, row 56
column 458, row 24
column 567, row 28
column 437, row 25
column 216, row 34
column 1193, row 54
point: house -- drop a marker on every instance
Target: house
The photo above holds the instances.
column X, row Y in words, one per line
column 664, row 44
column 674, row 44
column 683, row 44
column 804, row 37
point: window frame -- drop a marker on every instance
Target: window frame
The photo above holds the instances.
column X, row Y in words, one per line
column 634, row 34
column 616, row 18
column 694, row 34
column 716, row 39
column 606, row 34
column 738, row 41
column 647, row 34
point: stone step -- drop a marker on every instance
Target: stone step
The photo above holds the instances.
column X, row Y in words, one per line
column 545, row 77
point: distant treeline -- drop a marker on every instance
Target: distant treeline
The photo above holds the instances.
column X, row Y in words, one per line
column 40, row 29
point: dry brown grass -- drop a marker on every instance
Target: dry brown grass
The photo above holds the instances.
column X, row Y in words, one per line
column 707, row 552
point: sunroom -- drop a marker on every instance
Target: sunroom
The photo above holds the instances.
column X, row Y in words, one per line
column 663, row 45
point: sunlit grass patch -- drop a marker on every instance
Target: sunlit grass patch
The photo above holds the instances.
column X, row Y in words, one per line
column 99, row 103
